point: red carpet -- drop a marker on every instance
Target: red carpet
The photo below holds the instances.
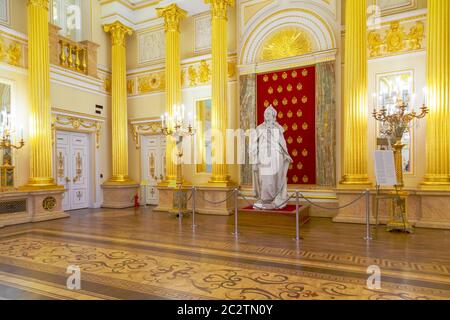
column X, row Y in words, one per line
column 287, row 209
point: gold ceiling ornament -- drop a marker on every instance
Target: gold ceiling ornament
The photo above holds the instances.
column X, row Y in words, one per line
column 289, row 87
column 285, row 43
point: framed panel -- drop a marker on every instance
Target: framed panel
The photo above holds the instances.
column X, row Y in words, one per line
column 202, row 34
column 391, row 86
column 151, row 46
column 388, row 7
column 4, row 12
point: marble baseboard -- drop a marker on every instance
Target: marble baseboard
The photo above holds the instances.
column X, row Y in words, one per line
column 434, row 210
column 119, row 196
column 37, row 206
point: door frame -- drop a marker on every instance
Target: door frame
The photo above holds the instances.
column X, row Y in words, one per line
column 69, row 122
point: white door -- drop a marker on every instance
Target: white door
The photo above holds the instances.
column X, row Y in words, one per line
column 72, row 168
column 153, row 153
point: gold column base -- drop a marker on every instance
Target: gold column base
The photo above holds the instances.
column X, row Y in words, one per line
column 356, row 180
column 120, row 181
column 41, row 184
column 221, row 181
column 436, row 182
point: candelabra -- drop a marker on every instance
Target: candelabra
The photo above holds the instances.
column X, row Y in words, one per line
column 394, row 125
column 6, row 144
column 178, row 128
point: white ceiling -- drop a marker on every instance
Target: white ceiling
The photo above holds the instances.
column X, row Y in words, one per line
column 137, row 15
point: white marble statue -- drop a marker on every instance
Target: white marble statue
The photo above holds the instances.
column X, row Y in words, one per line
column 270, row 159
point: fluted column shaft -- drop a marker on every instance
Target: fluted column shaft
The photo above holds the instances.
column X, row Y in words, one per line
column 119, row 130
column 41, row 161
column 355, row 109
column 172, row 15
column 219, row 112
column 438, row 84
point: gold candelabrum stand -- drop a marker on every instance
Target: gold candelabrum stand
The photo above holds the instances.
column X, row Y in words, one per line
column 7, row 169
column 395, row 125
column 177, row 128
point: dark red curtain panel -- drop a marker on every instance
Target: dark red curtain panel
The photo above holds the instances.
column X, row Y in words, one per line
column 292, row 94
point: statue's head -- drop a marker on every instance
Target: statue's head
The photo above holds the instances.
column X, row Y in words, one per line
column 270, row 115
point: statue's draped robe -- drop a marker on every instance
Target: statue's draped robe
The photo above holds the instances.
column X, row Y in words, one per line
column 270, row 156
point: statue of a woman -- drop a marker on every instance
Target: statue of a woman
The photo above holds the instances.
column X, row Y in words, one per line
column 271, row 159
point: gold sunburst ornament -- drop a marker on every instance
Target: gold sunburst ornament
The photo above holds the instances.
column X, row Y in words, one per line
column 285, row 43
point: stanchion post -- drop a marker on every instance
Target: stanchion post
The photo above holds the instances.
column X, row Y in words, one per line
column 194, row 190
column 236, row 231
column 297, row 214
column 368, row 237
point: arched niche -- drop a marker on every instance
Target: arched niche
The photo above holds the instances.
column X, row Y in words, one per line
column 308, row 23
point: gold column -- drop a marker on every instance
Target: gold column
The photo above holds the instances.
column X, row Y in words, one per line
column 438, row 84
column 219, row 112
column 355, row 109
column 41, row 165
column 119, row 103
column 172, row 15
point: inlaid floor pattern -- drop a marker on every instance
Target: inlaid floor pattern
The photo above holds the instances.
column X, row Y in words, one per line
column 139, row 254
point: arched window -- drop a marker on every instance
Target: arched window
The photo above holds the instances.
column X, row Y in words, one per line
column 66, row 14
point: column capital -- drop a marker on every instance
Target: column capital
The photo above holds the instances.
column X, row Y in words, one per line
column 172, row 15
column 118, row 32
column 219, row 7
column 39, row 3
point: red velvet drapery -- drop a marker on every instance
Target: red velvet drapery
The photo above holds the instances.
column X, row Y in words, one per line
column 292, row 94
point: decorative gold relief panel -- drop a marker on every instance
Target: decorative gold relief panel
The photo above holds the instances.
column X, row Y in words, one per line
column 397, row 38
column 144, row 128
column 11, row 50
column 285, row 43
column 75, row 123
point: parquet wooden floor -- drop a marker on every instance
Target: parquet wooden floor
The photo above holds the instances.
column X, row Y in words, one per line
column 139, row 254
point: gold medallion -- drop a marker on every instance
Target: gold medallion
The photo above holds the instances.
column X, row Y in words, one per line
column 266, row 78
column 304, row 72
column 299, row 87
column 305, row 153
column 299, row 113
column 280, row 115
column 305, row 126
column 294, row 100
column 305, row 99
column 289, row 87
column 280, row 89
column 290, row 114
column 270, row 91
column 49, row 203
column 275, row 103
column 284, row 76
column 295, row 127
column 294, row 74
column 305, row 179
column 275, row 77
column 295, row 179
column 266, row 103
column 299, row 139
column 284, row 102
column 299, row 166
column 290, row 140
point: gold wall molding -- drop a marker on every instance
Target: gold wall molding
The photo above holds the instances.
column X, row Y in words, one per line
column 64, row 121
column 144, row 127
column 398, row 38
column 194, row 73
